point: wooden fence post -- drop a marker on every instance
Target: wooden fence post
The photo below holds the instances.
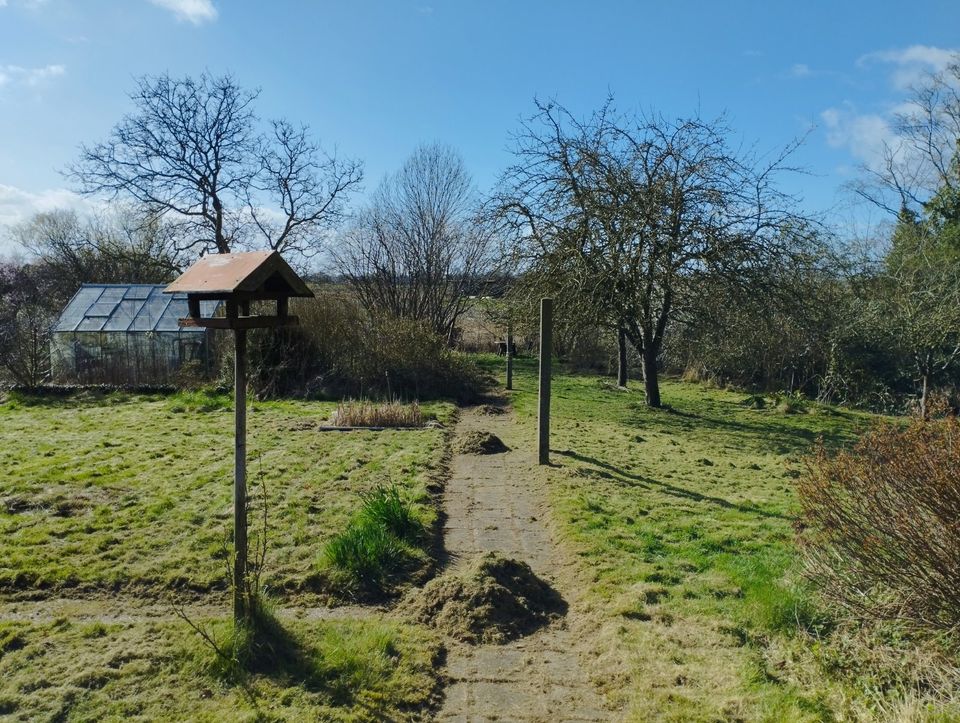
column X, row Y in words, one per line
column 240, row 478
column 509, row 356
column 546, row 352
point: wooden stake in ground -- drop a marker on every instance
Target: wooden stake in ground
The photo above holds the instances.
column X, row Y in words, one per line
column 546, row 352
column 240, row 475
column 509, row 356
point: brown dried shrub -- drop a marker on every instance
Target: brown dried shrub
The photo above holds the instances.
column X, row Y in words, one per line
column 881, row 523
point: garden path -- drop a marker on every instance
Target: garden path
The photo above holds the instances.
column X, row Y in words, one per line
column 497, row 503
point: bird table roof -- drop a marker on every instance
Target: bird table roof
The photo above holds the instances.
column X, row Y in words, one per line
column 240, row 274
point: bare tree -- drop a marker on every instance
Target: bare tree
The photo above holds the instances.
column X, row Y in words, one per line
column 25, row 320
column 119, row 246
column 628, row 213
column 418, row 249
column 192, row 153
column 917, row 162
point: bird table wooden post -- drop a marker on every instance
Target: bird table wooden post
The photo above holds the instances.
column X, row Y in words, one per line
column 239, row 279
column 546, row 351
column 509, row 355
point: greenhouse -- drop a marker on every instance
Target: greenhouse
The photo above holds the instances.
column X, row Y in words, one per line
column 128, row 334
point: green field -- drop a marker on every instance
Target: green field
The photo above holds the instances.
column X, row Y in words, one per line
column 128, row 498
column 682, row 520
column 127, row 492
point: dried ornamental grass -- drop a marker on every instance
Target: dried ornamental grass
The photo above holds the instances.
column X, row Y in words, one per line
column 366, row 413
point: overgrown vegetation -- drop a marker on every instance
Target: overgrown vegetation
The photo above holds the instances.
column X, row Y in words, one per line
column 339, row 351
column 882, row 537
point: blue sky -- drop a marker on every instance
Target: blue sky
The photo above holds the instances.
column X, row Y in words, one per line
column 374, row 79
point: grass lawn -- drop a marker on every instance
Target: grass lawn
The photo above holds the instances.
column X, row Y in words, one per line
column 132, row 492
column 131, row 495
column 344, row 671
column 683, row 520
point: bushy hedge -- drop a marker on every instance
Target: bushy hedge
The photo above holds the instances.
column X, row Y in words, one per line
column 882, row 524
column 338, row 350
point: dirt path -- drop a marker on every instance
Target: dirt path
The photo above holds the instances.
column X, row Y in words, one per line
column 494, row 503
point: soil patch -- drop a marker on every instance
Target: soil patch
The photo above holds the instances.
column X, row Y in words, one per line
column 491, row 599
column 479, row 442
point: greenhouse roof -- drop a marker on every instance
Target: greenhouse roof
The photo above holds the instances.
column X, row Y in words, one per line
column 128, row 307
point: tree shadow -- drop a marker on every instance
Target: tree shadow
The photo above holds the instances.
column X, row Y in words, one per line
column 612, row 472
column 779, row 435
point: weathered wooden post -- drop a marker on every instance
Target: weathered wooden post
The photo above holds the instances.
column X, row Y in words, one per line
column 509, row 355
column 546, row 352
column 239, row 472
column 235, row 280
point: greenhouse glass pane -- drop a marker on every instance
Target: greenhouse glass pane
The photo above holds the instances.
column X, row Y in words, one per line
column 149, row 314
column 123, row 317
column 92, row 323
column 176, row 310
column 77, row 307
column 138, row 292
column 209, row 308
column 102, row 308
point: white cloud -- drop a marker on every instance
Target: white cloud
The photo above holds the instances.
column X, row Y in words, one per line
column 911, row 64
column 17, row 205
column 800, row 70
column 30, row 77
column 864, row 135
column 193, row 11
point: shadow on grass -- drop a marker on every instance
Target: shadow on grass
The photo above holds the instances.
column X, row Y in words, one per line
column 268, row 649
column 669, row 489
column 779, row 434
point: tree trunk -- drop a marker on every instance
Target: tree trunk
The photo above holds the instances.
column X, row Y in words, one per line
column 621, row 358
column 923, row 398
column 651, row 384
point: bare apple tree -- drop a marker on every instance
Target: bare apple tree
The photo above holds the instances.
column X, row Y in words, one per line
column 628, row 214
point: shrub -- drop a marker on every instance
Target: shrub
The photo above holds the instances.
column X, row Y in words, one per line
column 338, row 350
column 882, row 536
column 367, row 553
column 365, row 413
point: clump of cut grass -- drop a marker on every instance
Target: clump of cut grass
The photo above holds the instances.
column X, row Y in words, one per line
column 367, row 413
column 491, row 599
column 381, row 540
column 479, row 442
